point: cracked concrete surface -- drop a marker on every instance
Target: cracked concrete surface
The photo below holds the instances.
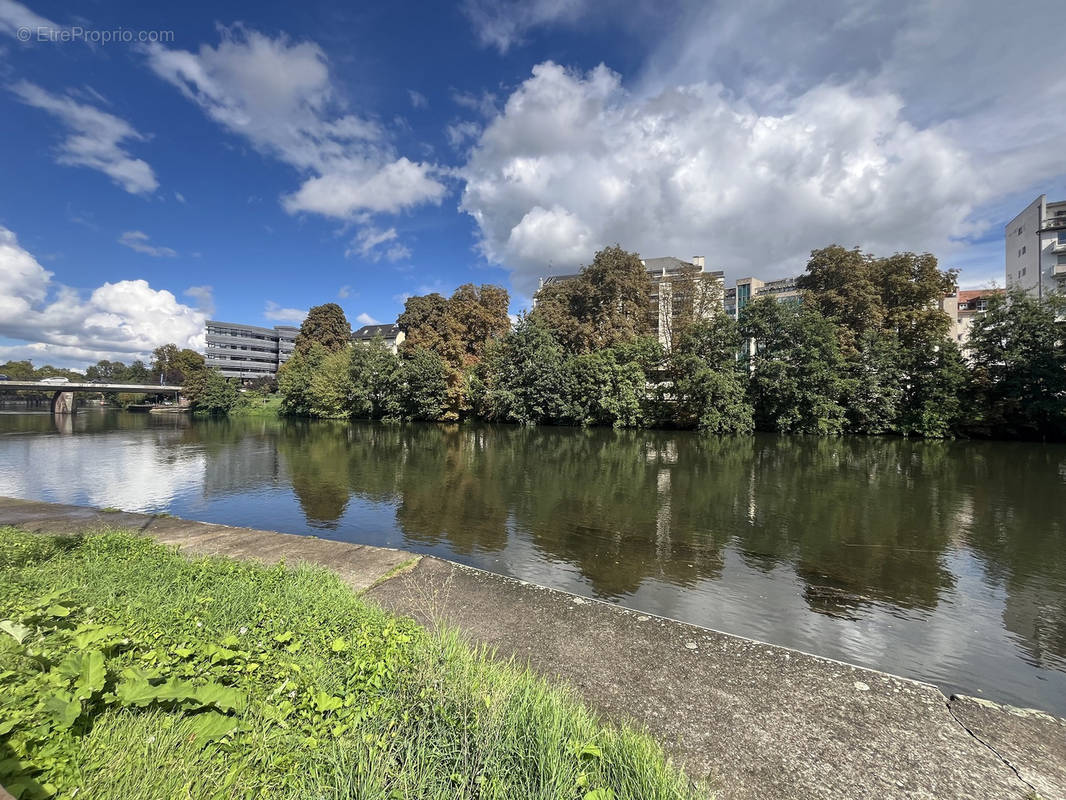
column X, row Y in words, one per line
column 756, row 720
column 1032, row 742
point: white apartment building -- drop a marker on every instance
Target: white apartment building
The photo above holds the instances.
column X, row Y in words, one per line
column 1036, row 248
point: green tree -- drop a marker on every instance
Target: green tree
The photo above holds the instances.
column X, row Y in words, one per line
column 797, row 371
column 18, row 370
column 216, row 395
column 425, row 323
column 106, row 371
column 330, row 390
column 1018, row 356
column 424, row 381
column 911, row 287
column 325, row 325
column 707, row 386
column 176, row 366
column 934, row 384
column 458, row 330
column 607, row 387
column 606, row 305
column 481, row 313
column 841, row 285
column 874, row 385
column 524, row 379
column 375, row 381
column 294, row 379
column 932, row 375
column 137, row 372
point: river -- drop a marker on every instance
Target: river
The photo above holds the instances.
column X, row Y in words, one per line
column 941, row 561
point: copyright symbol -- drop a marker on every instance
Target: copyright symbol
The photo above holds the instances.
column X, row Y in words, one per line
column 23, row 34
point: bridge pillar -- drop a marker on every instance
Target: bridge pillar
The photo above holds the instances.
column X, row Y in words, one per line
column 63, row 403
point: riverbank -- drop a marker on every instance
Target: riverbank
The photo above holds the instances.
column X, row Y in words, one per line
column 130, row 671
column 759, row 721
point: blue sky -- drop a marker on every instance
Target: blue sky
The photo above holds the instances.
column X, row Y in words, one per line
column 257, row 161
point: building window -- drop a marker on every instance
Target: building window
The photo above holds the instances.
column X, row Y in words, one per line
column 1024, row 270
column 1062, row 237
column 1062, row 259
column 1023, row 250
column 1020, row 229
column 743, row 295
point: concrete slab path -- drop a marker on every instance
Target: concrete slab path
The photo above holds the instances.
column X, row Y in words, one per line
column 756, row 720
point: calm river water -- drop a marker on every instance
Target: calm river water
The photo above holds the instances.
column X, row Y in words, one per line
column 940, row 561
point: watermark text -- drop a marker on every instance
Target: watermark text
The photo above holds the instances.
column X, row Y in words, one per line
column 76, row 33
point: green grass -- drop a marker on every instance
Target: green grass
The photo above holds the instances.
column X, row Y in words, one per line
column 255, row 405
column 143, row 674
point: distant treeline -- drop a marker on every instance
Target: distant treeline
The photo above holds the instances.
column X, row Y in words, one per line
column 866, row 351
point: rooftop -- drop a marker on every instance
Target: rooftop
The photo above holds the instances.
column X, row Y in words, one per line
column 386, row 331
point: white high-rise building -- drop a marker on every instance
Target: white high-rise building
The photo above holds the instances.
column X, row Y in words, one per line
column 1036, row 248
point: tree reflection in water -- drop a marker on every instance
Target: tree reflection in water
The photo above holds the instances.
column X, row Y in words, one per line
column 806, row 541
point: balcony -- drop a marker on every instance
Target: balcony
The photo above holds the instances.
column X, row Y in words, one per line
column 1054, row 223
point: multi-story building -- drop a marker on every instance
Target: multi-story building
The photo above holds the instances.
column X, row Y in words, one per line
column 390, row 334
column 667, row 275
column 1036, row 248
column 963, row 308
column 247, row 351
column 783, row 290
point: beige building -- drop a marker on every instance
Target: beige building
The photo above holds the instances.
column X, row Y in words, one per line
column 667, row 275
column 747, row 289
column 963, row 308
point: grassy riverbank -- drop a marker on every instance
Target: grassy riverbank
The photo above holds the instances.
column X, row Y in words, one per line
column 129, row 671
column 257, row 405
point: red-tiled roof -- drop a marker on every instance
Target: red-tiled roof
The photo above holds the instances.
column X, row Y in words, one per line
column 972, row 294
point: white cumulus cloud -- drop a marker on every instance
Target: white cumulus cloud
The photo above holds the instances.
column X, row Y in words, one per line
column 124, row 320
column 366, row 319
column 574, row 162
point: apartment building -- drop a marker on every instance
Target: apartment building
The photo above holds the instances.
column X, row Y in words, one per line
column 783, row 290
column 390, row 334
column 668, row 275
column 963, row 308
column 247, row 351
column 1036, row 248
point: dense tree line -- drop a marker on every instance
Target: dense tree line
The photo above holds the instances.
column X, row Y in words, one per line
column 864, row 350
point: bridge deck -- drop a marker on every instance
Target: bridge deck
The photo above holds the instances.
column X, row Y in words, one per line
column 85, row 386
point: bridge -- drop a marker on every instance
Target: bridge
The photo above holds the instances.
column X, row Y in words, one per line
column 63, row 393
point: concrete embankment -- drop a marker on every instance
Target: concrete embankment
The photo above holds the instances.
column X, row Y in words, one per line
column 759, row 721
